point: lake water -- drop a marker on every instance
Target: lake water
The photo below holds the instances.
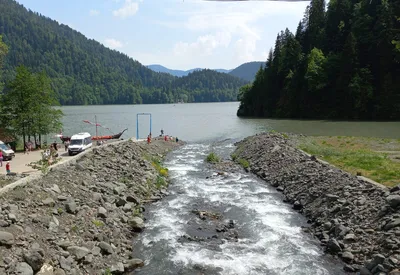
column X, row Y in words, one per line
column 208, row 121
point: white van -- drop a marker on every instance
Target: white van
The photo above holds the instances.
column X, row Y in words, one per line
column 79, row 143
column 8, row 154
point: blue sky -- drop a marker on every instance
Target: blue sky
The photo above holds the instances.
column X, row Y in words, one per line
column 178, row 34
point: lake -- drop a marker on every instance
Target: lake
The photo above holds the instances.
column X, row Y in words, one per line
column 208, row 121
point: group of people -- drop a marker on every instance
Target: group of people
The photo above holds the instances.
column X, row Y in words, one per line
column 166, row 137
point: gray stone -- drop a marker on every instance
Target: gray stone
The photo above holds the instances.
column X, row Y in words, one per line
column 46, row 270
column 365, row 271
column 97, row 197
column 349, row 238
column 53, row 227
column 62, row 198
column 56, row 189
column 79, row 252
column 6, row 238
column 332, row 197
column 349, row 268
column 23, row 269
column 96, row 251
column 12, row 217
column 66, row 263
column 133, row 264
column 392, row 224
column 120, row 202
column 49, row 202
column 34, row 259
column 377, row 259
column 88, row 259
column 3, row 223
column 118, row 190
column 59, row 271
column 393, row 200
column 327, row 225
column 136, row 224
column 333, row 246
column 133, row 199
column 347, row 257
column 118, row 268
column 102, row 212
column 64, row 244
column 106, row 248
column 71, row 207
column 127, row 208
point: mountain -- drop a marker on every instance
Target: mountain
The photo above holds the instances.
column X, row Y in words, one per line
column 247, row 71
column 83, row 71
column 179, row 73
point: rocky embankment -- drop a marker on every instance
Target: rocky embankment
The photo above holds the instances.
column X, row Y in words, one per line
column 81, row 218
column 354, row 219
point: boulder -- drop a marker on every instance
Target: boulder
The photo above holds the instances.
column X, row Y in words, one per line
column 78, row 252
column 106, row 248
column 136, row 224
column 102, row 212
column 393, row 200
column 6, row 238
column 34, row 259
column 23, row 269
column 133, row 264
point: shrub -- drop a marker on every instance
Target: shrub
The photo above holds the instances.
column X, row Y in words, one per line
column 213, row 158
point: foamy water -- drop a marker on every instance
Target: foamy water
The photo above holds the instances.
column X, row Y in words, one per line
column 270, row 237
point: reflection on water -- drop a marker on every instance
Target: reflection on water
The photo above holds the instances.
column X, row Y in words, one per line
column 208, row 121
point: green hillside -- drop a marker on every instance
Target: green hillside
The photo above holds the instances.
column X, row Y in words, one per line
column 247, row 71
column 83, row 71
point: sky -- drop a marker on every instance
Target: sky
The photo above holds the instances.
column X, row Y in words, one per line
column 179, row 34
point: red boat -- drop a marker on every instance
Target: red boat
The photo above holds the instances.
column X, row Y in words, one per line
column 116, row 136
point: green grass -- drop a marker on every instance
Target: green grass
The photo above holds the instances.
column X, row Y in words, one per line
column 234, row 157
column 213, row 158
column 244, row 163
column 376, row 166
column 98, row 223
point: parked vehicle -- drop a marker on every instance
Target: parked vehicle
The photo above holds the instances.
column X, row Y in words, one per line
column 8, row 154
column 79, row 143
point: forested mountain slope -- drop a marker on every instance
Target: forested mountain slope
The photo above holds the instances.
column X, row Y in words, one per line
column 162, row 69
column 343, row 63
column 247, row 71
column 83, row 71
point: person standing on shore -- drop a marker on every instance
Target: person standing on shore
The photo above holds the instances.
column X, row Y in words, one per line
column 8, row 168
column 1, row 158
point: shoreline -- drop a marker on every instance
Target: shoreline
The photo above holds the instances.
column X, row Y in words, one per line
column 354, row 219
column 81, row 217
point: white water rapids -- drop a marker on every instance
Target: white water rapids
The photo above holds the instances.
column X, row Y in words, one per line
column 270, row 237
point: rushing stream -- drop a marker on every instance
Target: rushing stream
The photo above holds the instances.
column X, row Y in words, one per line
column 270, row 239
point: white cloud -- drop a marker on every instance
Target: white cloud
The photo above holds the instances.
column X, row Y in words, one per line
column 129, row 8
column 94, row 12
column 239, row 21
column 203, row 46
column 113, row 43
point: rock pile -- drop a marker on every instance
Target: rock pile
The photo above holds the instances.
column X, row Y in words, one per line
column 80, row 219
column 354, row 219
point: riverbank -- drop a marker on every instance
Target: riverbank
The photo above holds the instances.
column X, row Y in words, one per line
column 374, row 158
column 354, row 219
column 80, row 218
